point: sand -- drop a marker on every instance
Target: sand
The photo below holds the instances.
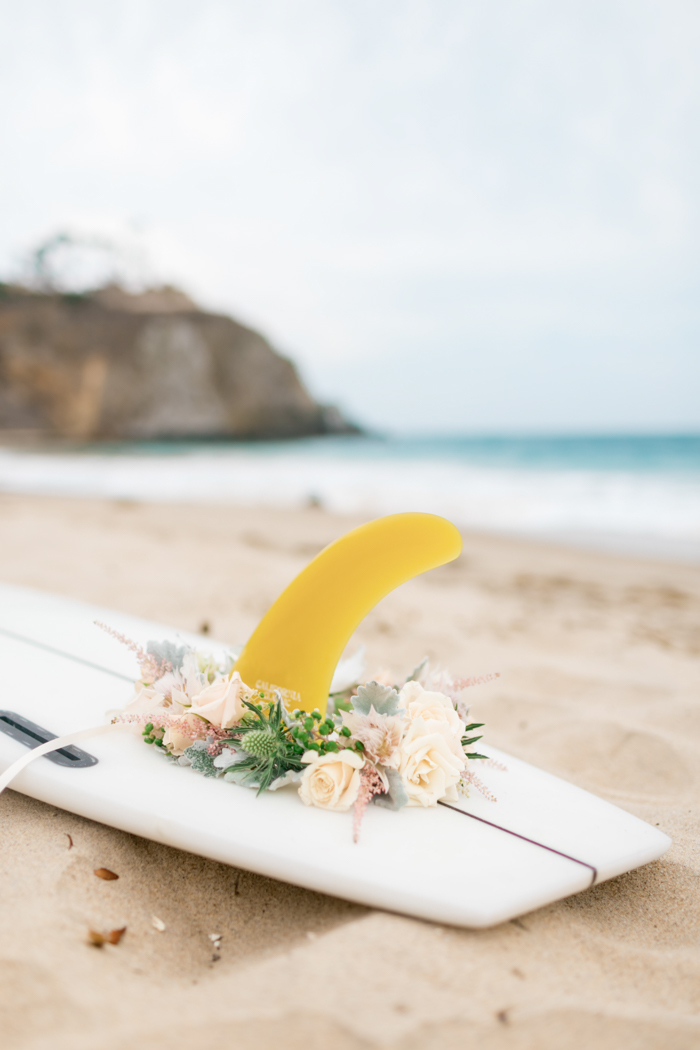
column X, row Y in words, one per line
column 600, row 666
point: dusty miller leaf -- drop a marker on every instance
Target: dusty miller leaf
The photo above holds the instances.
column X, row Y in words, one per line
column 168, row 653
column 348, row 672
column 243, row 778
column 417, row 672
column 383, row 698
column 201, row 760
column 396, row 796
column 229, row 757
column 292, row 776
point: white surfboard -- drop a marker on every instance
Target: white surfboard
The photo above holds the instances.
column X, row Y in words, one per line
column 551, row 839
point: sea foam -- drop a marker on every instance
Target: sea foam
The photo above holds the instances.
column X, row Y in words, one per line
column 651, row 508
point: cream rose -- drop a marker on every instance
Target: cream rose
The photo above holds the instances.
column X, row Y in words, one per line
column 437, row 709
column 177, row 739
column 429, row 767
column 221, row 702
column 331, row 781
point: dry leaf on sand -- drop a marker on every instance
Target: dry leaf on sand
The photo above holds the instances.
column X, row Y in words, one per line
column 98, row 939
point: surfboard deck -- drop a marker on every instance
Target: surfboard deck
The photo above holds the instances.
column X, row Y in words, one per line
column 63, row 673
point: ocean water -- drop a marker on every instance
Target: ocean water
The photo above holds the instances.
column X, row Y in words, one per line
column 639, row 494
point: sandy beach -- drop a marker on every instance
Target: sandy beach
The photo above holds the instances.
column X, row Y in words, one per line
column 599, row 657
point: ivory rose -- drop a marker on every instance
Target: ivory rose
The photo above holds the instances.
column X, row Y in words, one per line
column 331, row 781
column 437, row 708
column 429, row 767
column 221, row 702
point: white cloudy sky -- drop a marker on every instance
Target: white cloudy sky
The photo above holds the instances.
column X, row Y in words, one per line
column 453, row 214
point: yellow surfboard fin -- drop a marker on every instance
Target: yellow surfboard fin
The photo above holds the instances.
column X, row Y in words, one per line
column 297, row 645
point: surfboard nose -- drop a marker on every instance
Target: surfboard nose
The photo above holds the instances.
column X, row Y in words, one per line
column 297, row 645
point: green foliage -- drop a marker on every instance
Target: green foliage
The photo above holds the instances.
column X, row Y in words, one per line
column 383, row 698
column 271, row 749
column 467, row 740
column 200, row 759
column 417, row 671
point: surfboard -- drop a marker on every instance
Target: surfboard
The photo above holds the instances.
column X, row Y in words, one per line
column 474, row 864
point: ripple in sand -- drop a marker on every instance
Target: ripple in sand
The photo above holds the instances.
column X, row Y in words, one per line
column 615, row 759
column 557, row 1030
column 655, row 907
column 32, row 1002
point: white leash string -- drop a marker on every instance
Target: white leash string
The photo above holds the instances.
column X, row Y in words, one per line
column 54, row 745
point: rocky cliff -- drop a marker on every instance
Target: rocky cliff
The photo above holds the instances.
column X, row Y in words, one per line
column 110, row 365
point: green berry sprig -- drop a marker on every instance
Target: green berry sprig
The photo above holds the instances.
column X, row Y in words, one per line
column 153, row 734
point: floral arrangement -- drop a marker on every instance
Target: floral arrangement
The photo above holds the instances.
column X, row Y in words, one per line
column 394, row 745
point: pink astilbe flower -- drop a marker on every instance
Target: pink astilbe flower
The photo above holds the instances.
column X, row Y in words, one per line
column 141, row 655
column 161, row 720
column 492, row 763
column 444, row 682
column 472, row 779
column 371, row 784
column 217, row 737
column 151, row 669
column 467, row 683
